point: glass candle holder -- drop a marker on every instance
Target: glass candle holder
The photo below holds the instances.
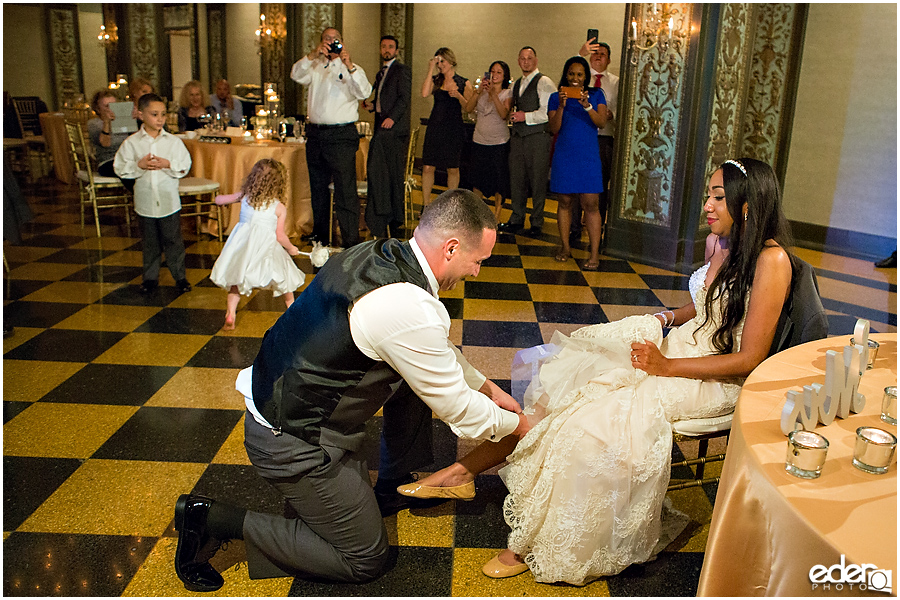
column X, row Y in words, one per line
column 889, row 405
column 870, row 354
column 874, row 450
column 806, row 451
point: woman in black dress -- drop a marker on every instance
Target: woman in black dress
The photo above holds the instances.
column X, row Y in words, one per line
column 445, row 135
column 192, row 107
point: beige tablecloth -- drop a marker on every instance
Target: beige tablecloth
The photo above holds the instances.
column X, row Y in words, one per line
column 53, row 126
column 770, row 528
column 229, row 164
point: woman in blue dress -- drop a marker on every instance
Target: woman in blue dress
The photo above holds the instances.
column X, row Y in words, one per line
column 576, row 173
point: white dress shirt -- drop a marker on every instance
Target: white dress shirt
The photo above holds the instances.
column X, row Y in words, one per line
column 545, row 89
column 333, row 92
column 408, row 328
column 155, row 192
column 610, row 86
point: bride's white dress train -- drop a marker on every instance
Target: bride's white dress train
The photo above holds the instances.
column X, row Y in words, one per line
column 587, row 483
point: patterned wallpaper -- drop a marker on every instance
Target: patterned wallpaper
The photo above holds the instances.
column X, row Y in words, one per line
column 142, row 36
column 768, row 73
column 393, row 22
column 732, row 54
column 652, row 109
column 65, row 54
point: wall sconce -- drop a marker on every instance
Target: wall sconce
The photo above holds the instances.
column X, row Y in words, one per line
column 657, row 27
column 268, row 32
column 108, row 37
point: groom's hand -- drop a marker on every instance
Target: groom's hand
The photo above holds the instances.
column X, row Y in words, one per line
column 500, row 398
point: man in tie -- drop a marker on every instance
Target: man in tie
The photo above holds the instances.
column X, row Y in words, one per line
column 335, row 87
column 599, row 54
column 529, row 144
column 386, row 166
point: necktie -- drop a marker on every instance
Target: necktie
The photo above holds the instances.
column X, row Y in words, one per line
column 378, row 81
column 597, row 80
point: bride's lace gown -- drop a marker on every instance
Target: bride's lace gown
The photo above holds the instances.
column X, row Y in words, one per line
column 586, row 484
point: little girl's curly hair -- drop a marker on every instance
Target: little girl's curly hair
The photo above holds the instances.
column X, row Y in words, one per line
column 265, row 183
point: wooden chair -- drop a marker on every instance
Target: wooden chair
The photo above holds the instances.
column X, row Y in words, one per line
column 27, row 109
column 198, row 197
column 410, row 183
column 96, row 191
column 802, row 319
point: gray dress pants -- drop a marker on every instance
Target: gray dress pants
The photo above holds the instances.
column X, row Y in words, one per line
column 339, row 534
column 529, row 168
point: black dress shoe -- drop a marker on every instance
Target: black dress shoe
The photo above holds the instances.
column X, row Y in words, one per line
column 534, row 231
column 148, row 286
column 183, row 285
column 195, row 545
column 509, row 228
column 390, row 501
column 888, row 263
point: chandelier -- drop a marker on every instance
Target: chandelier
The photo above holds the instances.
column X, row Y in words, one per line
column 268, row 32
column 108, row 37
column 657, row 26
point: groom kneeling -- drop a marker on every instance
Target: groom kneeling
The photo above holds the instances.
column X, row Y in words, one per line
column 369, row 329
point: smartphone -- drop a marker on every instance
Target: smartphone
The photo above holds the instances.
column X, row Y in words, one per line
column 571, row 91
column 593, row 33
column 487, row 77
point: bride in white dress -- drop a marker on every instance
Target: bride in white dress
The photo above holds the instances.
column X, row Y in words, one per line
column 587, row 483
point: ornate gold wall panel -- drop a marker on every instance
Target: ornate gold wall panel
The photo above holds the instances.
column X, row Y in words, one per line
column 394, row 22
column 143, row 42
column 316, row 17
column 769, row 69
column 732, row 58
column 65, row 52
column 272, row 54
column 215, row 31
column 653, row 107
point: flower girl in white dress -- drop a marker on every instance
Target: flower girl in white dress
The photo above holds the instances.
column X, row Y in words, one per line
column 587, row 483
column 258, row 253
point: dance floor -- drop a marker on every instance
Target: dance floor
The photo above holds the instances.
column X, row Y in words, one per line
column 114, row 403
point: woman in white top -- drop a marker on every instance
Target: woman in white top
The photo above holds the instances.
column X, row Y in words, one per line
column 490, row 154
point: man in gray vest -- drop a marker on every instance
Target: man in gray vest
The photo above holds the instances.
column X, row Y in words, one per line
column 368, row 331
column 529, row 144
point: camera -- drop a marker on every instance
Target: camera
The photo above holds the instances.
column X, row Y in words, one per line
column 335, row 47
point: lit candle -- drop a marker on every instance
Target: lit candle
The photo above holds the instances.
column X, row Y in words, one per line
column 671, row 24
column 259, row 135
column 634, row 30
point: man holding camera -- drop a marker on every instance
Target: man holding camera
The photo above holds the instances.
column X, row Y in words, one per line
column 334, row 88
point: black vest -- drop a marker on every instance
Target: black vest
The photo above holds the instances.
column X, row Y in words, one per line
column 308, row 360
column 527, row 101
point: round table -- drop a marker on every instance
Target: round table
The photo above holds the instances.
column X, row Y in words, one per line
column 229, row 165
column 770, row 528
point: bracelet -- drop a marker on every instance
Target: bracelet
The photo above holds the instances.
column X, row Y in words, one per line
column 666, row 321
column 353, row 70
column 106, row 132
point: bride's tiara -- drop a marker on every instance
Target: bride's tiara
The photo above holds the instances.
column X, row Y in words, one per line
column 736, row 164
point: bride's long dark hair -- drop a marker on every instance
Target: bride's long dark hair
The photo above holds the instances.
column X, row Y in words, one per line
column 758, row 188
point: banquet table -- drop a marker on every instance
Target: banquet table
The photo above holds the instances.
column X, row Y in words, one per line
column 770, row 528
column 229, row 165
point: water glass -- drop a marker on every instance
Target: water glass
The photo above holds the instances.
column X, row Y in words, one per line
column 871, row 354
column 889, row 405
column 806, row 451
column 874, row 450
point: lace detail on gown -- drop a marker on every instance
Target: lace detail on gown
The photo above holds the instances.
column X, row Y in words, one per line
column 587, row 483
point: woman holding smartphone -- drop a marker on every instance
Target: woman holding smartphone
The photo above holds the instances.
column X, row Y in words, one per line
column 576, row 170
column 490, row 153
column 445, row 135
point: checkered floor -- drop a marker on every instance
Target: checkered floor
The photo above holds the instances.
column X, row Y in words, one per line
column 115, row 403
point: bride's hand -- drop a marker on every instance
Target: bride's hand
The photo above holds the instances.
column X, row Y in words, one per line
column 648, row 358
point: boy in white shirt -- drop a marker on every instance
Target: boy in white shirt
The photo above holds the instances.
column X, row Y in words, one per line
column 156, row 160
